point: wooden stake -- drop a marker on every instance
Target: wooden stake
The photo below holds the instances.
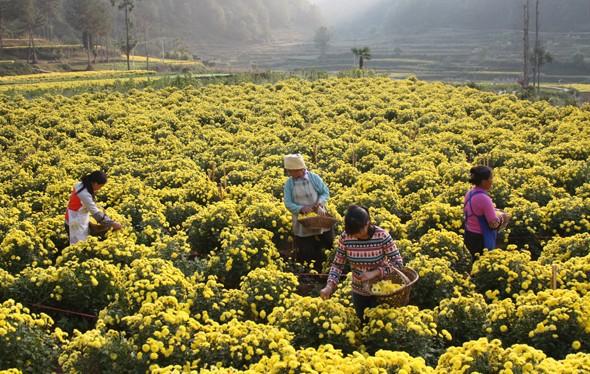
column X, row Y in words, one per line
column 554, row 269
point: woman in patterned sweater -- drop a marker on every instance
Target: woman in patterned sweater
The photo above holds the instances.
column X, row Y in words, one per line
column 371, row 253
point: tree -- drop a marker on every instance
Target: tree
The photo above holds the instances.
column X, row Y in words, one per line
column 322, row 40
column 578, row 59
column 33, row 15
column 90, row 18
column 362, row 54
column 127, row 7
column 539, row 58
column 147, row 14
column 7, row 13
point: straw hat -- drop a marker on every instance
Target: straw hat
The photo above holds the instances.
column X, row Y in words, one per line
column 294, row 162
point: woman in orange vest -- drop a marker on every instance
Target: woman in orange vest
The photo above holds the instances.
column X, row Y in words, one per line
column 82, row 204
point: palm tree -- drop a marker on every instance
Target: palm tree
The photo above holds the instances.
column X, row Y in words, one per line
column 362, row 54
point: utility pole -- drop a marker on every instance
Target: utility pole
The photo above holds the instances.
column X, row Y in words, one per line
column 525, row 78
column 147, row 50
column 538, row 56
column 127, row 36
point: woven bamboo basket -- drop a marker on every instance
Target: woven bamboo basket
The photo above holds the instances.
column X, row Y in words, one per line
column 400, row 297
column 97, row 229
column 318, row 222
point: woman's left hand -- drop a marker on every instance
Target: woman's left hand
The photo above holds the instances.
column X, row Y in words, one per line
column 370, row 275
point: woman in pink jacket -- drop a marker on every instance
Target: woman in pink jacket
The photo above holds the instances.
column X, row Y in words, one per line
column 481, row 219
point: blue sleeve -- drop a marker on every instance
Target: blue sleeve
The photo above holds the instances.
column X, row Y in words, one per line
column 322, row 189
column 288, row 198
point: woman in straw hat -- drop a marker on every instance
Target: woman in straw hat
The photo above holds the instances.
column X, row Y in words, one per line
column 306, row 192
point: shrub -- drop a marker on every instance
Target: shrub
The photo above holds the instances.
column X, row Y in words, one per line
column 434, row 215
column 26, row 341
column 562, row 249
column 267, row 288
column 241, row 251
column 204, row 228
column 463, row 317
column 314, row 322
column 504, row 273
column 437, row 282
column 236, row 344
column 408, row 329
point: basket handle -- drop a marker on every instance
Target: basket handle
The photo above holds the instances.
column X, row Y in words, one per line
column 404, row 278
column 402, row 275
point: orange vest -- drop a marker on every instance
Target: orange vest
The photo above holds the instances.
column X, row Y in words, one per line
column 74, row 204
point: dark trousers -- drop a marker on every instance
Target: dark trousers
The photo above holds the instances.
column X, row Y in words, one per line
column 361, row 303
column 474, row 243
column 311, row 248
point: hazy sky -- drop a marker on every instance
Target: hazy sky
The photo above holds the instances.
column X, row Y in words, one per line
column 335, row 11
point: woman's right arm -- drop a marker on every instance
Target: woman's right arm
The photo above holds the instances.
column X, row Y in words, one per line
column 335, row 271
column 489, row 211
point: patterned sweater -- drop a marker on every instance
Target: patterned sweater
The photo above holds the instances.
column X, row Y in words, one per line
column 378, row 252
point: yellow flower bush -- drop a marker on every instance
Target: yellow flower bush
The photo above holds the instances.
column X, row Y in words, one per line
column 47, row 77
column 540, row 190
column 447, row 245
column 327, row 359
column 562, row 249
column 437, row 282
column 574, row 274
column 343, row 293
column 145, row 281
column 314, row 321
column 484, row 356
column 567, row 216
column 236, row 344
column 117, row 249
column 406, row 329
column 270, row 215
column 552, row 321
column 161, row 331
column 462, row 317
column 87, row 286
column 505, row 273
column 572, row 363
column 210, row 300
column 241, row 251
column 525, row 228
column 387, row 221
column 267, row 288
column 98, row 350
column 204, row 228
column 197, row 171
column 372, row 190
column 434, row 215
column 176, row 249
column 26, row 339
column 21, row 247
column 6, row 282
